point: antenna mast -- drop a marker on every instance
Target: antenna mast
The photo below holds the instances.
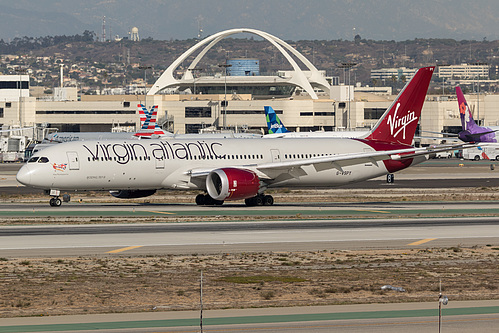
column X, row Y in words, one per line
column 103, row 38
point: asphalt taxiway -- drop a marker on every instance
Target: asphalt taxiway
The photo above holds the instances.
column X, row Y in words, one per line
column 470, row 316
column 221, row 237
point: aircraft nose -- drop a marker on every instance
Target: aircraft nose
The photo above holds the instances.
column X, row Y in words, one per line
column 24, row 175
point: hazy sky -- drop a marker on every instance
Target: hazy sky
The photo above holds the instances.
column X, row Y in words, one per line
column 290, row 20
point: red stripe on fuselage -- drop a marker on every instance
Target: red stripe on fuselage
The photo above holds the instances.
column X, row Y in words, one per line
column 390, row 165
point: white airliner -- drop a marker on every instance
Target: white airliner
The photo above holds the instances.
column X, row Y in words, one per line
column 234, row 168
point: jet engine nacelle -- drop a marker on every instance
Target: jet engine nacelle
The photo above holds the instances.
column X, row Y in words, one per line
column 132, row 194
column 232, row 184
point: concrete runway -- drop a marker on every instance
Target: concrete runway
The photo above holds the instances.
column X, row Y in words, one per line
column 219, row 237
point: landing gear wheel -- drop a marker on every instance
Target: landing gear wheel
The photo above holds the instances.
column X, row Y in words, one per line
column 259, row 200
column 206, row 200
column 55, row 202
column 200, row 199
column 268, row 200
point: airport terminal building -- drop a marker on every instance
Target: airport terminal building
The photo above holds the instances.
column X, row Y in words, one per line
column 186, row 113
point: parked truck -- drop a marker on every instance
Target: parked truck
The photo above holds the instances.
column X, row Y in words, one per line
column 483, row 152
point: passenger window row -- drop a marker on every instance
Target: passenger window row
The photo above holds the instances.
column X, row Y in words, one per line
column 298, row 156
column 195, row 157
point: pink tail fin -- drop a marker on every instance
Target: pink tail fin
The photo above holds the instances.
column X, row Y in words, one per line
column 399, row 122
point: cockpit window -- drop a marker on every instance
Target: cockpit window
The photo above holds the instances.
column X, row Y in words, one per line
column 33, row 159
column 43, row 160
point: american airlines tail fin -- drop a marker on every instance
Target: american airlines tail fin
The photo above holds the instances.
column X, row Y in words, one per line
column 274, row 124
column 399, row 122
column 149, row 125
column 144, row 115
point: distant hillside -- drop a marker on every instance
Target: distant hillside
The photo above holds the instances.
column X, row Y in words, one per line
column 326, row 55
column 287, row 19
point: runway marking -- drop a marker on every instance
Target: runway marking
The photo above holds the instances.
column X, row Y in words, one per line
column 124, row 249
column 166, row 213
column 426, row 240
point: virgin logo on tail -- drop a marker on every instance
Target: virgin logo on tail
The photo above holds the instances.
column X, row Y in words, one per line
column 397, row 124
column 403, row 115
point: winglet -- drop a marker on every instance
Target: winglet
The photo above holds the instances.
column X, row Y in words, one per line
column 399, row 122
column 274, row 124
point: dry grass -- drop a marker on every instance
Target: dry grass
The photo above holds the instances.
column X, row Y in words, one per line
column 124, row 284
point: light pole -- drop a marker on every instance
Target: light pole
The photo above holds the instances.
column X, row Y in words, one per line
column 478, row 89
column 348, row 65
column 441, row 75
column 442, row 299
column 334, row 115
column 145, row 68
column 20, row 71
column 224, row 104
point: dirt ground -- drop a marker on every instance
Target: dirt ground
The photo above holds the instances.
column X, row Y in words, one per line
column 119, row 283
column 34, row 287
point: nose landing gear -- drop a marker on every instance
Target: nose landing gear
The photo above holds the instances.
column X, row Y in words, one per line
column 55, row 201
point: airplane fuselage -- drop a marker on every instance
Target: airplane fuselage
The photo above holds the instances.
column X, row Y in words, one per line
column 168, row 164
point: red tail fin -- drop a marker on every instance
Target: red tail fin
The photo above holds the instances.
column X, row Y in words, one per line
column 399, row 122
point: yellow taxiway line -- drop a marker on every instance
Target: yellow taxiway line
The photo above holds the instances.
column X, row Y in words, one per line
column 124, row 249
column 426, row 240
column 166, row 213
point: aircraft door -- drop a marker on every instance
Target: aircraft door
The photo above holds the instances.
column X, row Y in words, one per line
column 74, row 163
column 276, row 157
column 160, row 163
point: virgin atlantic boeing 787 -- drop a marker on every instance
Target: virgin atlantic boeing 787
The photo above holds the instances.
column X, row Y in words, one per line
column 228, row 169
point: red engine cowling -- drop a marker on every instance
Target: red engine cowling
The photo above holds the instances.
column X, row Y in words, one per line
column 232, row 184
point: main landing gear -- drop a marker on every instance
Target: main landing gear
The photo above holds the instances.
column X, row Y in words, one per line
column 206, row 200
column 260, row 200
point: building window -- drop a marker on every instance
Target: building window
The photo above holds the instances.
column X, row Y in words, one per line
column 84, row 112
column 8, row 104
column 306, row 114
column 373, row 113
column 1, row 112
column 126, row 104
column 14, row 84
column 250, row 111
column 193, row 128
column 198, row 112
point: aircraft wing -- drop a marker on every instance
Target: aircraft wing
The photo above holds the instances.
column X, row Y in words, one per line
column 443, row 133
column 268, row 171
column 16, row 129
